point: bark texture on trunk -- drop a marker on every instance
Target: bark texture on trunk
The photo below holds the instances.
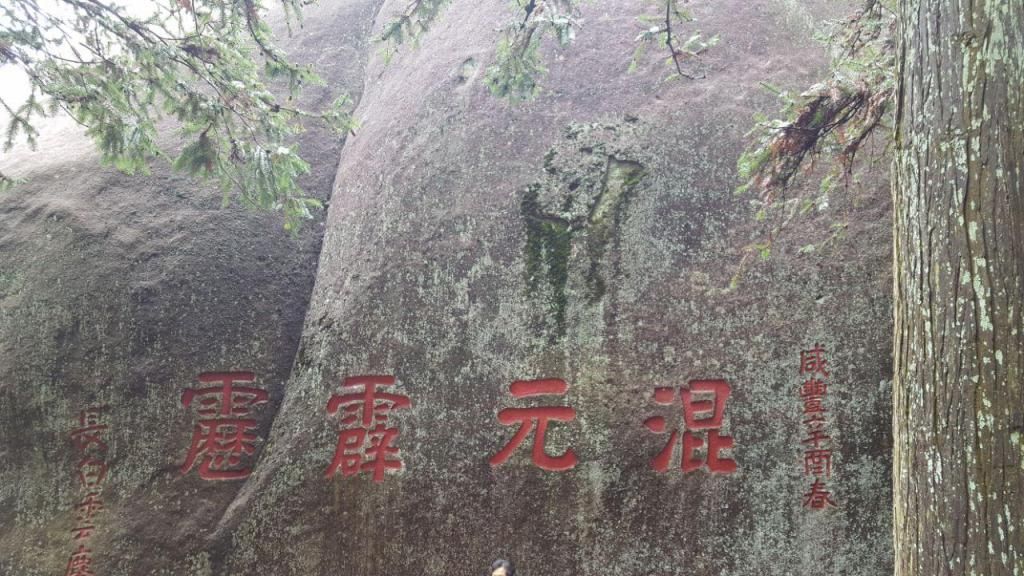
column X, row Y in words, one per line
column 958, row 188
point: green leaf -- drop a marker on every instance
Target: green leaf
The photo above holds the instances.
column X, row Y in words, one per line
column 212, row 81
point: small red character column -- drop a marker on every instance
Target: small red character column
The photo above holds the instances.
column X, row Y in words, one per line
column 704, row 414
column 366, row 443
column 80, row 563
column 92, row 450
column 817, row 459
column 224, row 433
column 536, row 417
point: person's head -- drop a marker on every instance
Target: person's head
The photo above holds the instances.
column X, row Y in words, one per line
column 502, row 568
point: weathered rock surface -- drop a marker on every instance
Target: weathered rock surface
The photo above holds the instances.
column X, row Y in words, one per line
column 589, row 236
column 118, row 291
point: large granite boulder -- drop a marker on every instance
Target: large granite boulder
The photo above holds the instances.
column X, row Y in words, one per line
column 118, row 292
column 524, row 338
column 590, row 237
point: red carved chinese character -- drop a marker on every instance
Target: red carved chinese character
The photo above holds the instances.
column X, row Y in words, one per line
column 815, row 435
column 91, row 471
column 813, row 388
column 223, row 435
column 818, row 463
column 80, row 563
column 536, row 417
column 813, row 392
column 813, row 361
column 704, row 414
column 89, row 506
column 84, row 531
column 88, row 435
column 366, row 442
column 818, row 497
column 814, row 405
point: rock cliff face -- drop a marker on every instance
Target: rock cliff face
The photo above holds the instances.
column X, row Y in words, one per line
column 586, row 238
column 118, row 292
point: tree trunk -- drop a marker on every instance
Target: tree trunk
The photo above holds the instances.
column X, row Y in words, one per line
column 958, row 189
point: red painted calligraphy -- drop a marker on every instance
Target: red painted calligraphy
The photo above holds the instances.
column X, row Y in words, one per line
column 536, row 419
column 813, row 361
column 703, row 408
column 817, row 454
column 91, row 471
column 366, row 443
column 224, row 436
column 818, row 463
column 89, row 506
column 91, row 450
column 83, row 531
column 818, row 497
column 80, row 563
column 89, row 433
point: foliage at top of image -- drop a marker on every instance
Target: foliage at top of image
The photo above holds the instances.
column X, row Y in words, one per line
column 204, row 63
column 518, row 65
column 832, row 120
column 209, row 64
column 410, row 25
column 663, row 29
